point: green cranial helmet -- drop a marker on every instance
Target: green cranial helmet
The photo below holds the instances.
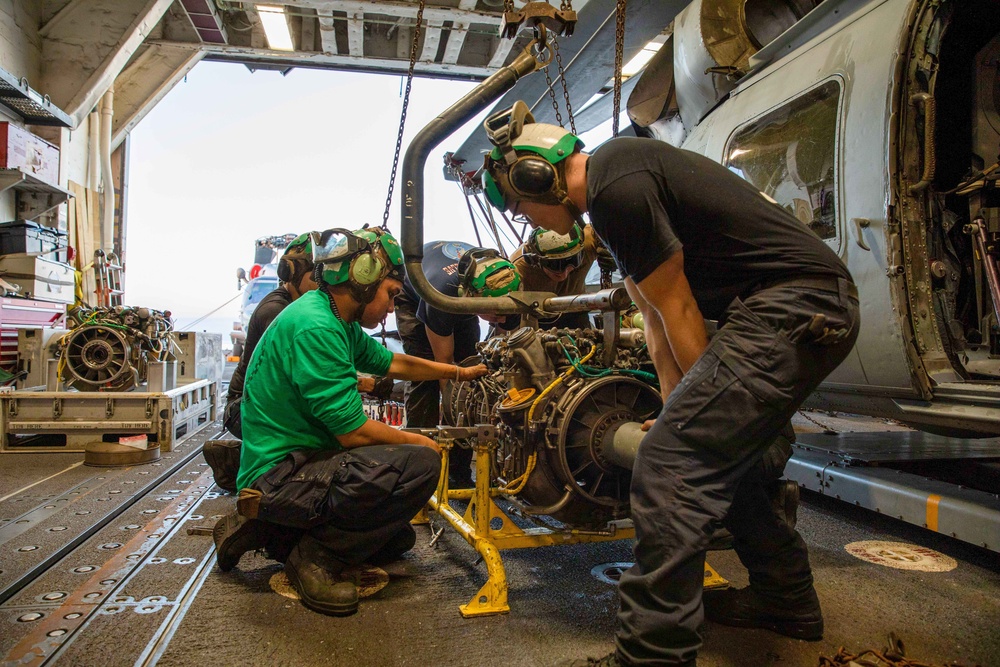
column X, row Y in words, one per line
column 362, row 258
column 301, row 245
column 526, row 163
column 485, row 273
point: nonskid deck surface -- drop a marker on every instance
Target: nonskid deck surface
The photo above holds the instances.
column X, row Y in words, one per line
column 141, row 590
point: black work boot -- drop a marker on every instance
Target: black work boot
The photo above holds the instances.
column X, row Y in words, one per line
column 223, row 457
column 394, row 549
column 235, row 535
column 320, row 580
column 743, row 608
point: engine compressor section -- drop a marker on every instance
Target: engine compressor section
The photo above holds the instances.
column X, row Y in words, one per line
column 556, row 404
column 110, row 349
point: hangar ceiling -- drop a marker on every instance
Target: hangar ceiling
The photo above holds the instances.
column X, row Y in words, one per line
column 144, row 47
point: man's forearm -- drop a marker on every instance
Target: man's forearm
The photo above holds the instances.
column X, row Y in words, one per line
column 406, row 367
column 374, row 433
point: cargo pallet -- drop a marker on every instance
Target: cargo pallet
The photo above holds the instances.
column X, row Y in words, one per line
column 85, row 416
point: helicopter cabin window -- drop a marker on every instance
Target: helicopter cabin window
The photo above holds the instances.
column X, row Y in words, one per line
column 790, row 154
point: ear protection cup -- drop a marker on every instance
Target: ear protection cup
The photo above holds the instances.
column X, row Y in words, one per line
column 285, row 270
column 367, row 268
column 532, row 176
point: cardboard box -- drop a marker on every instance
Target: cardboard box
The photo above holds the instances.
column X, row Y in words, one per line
column 39, row 278
column 20, row 149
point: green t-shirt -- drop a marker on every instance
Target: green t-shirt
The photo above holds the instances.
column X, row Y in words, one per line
column 301, row 387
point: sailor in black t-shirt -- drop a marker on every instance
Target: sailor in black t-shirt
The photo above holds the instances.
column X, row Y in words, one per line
column 295, row 273
column 696, row 241
column 433, row 334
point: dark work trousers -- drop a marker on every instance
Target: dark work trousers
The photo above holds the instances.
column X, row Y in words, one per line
column 423, row 399
column 701, row 464
column 232, row 418
column 353, row 502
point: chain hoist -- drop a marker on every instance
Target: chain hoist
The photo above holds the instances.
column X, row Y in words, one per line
column 402, row 115
column 553, row 45
column 619, row 57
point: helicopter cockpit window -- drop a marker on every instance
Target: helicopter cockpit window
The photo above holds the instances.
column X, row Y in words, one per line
column 790, row 154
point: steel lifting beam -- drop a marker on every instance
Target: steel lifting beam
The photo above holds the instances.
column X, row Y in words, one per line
column 476, row 524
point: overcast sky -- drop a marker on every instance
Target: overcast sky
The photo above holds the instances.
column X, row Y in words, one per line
column 229, row 156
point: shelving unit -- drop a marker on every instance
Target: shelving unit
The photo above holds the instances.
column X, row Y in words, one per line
column 35, row 197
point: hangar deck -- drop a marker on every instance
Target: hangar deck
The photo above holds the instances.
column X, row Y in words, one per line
column 107, row 566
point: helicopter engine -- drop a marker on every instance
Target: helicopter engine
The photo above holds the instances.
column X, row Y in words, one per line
column 556, row 405
column 110, row 348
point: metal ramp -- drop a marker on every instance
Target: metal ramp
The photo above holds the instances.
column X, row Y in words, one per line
column 892, row 473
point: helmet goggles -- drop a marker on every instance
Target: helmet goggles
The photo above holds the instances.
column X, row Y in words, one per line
column 556, row 265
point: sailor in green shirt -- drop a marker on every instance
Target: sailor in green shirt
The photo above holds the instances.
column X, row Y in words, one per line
column 314, row 468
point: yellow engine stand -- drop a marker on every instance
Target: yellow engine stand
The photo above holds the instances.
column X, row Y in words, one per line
column 476, row 525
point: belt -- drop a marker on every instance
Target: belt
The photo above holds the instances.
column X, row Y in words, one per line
column 834, row 284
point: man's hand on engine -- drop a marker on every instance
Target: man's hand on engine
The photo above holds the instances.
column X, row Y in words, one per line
column 466, row 373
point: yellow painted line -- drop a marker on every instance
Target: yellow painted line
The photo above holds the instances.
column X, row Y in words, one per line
column 932, row 511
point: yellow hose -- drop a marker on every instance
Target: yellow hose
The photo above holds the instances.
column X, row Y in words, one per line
column 515, row 486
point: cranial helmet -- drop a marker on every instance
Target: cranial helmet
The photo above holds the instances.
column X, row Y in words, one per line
column 526, row 163
column 483, row 272
column 551, row 250
column 296, row 261
column 362, row 259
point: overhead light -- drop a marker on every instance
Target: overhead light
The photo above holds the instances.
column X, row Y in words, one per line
column 275, row 27
column 641, row 59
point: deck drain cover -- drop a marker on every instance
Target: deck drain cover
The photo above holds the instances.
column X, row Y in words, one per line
column 901, row 556
column 609, row 573
column 372, row 580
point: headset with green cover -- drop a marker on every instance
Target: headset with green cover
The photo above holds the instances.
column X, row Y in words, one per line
column 362, row 259
column 296, row 261
column 526, row 163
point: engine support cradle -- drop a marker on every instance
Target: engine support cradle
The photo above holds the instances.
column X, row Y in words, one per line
column 490, row 529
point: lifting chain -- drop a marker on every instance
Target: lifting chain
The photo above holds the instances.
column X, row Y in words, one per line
column 554, row 45
column 619, row 56
column 402, row 115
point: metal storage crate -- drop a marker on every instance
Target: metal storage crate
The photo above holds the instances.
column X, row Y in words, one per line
column 66, row 421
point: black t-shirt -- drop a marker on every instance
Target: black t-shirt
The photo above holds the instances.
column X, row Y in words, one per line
column 648, row 199
column 440, row 265
column 265, row 312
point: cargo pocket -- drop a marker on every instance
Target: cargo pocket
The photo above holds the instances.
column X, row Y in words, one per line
column 719, row 410
column 297, row 495
column 361, row 485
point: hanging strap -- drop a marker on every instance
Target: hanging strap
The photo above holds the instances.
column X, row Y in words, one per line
column 402, row 115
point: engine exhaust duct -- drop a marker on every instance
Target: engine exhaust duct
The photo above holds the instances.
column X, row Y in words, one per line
column 412, row 212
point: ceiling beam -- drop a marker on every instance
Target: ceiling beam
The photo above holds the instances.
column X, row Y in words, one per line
column 386, row 8
column 456, row 39
column 240, row 54
column 432, row 40
column 327, row 33
column 356, row 34
column 504, row 47
column 456, row 36
column 86, row 46
column 146, row 81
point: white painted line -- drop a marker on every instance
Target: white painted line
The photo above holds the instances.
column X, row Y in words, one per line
column 11, row 495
